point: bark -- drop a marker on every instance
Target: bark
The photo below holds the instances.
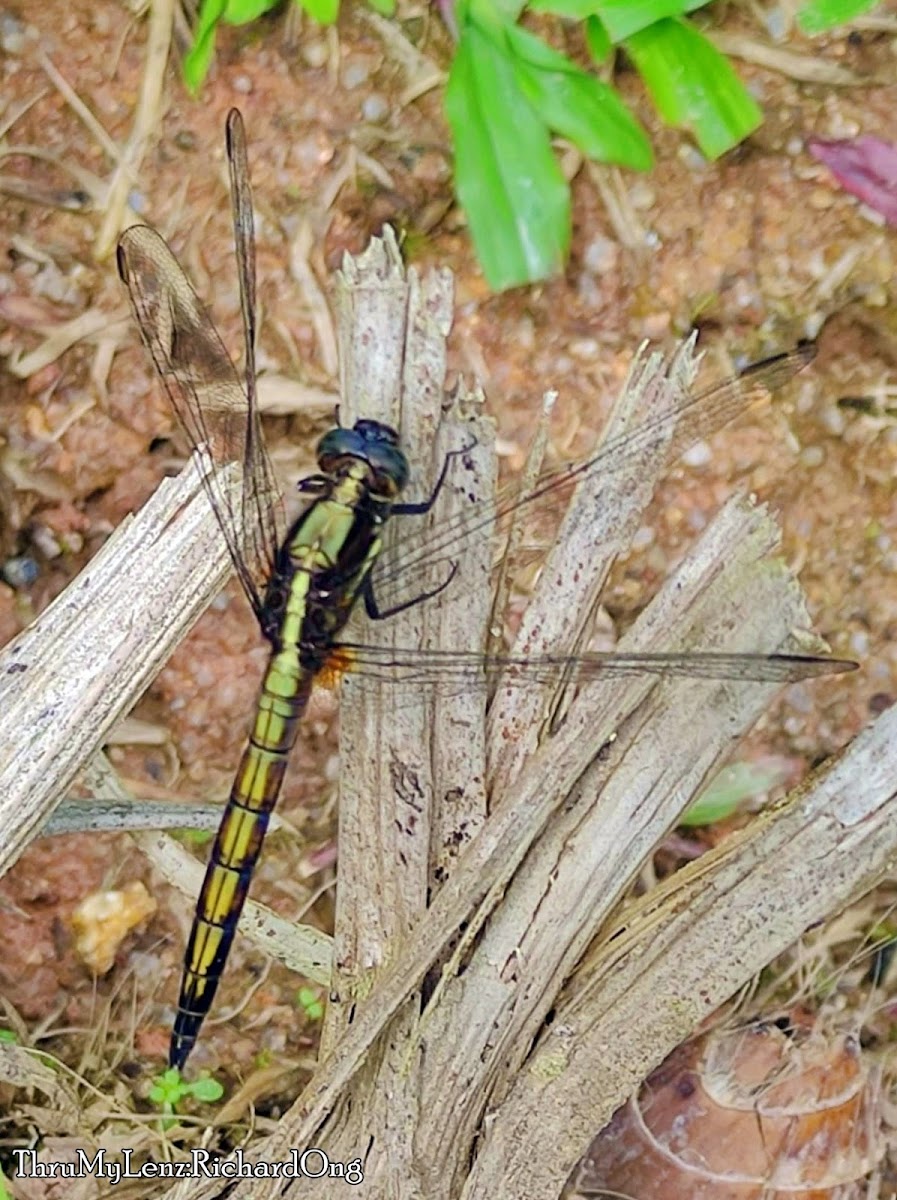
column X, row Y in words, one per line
column 89, row 657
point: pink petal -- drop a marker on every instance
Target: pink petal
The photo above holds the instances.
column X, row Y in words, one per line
column 865, row 166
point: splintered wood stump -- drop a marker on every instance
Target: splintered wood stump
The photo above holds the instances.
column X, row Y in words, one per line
column 486, row 1019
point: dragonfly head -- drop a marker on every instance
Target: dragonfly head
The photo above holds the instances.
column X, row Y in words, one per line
column 373, row 443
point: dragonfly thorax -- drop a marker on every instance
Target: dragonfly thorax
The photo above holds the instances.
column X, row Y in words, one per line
column 375, row 444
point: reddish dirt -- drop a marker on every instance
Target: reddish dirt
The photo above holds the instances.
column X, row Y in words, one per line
column 758, row 250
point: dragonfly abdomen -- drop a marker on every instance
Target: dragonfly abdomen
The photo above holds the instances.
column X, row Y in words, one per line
column 236, row 849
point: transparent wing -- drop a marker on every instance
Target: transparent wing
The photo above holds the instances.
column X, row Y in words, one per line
column 449, row 669
column 212, row 404
column 262, row 506
column 691, row 417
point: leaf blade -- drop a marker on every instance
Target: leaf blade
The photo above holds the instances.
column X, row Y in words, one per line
column 506, row 175
column 577, row 105
column 693, row 86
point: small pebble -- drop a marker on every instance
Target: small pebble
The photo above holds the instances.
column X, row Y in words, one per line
column 698, row 455
column 601, row 255
column 584, row 349
column 859, row 643
column 525, row 332
column 656, row 325
column 774, row 19
column 832, row 420
column 20, row 571
column 812, row 456
column 821, row 199
column 589, row 292
column 692, row 157
column 696, row 520
column 45, row 540
column 657, row 560
column 12, row 34
column 243, row 85
column 642, row 197
column 355, row 74
column 315, row 53
column 375, row 107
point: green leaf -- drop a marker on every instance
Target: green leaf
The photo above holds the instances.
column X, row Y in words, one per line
column 168, row 1088
column 487, row 10
column 882, row 932
column 324, row 12
column 8, row 1036
column 241, row 12
column 577, row 105
column 506, row 175
column 199, row 56
column 597, row 40
column 693, row 85
column 196, row 838
column 819, row 15
column 574, row 10
column 622, row 18
column 385, row 7
column 206, row 1089
column 310, row 1003
column 728, row 790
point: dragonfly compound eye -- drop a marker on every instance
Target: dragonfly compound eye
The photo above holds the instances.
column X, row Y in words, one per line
column 385, row 456
column 390, row 467
column 374, row 443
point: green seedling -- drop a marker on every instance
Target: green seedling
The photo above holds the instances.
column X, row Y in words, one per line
column 170, row 1090
column 310, row 1002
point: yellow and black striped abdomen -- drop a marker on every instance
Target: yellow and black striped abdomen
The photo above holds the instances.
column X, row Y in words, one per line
column 235, row 852
column 322, row 566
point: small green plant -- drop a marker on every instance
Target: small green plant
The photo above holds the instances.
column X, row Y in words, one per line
column 732, row 787
column 819, row 15
column 196, row 838
column 509, row 93
column 169, row 1090
column 309, row 1001
column 8, row 1036
column 213, row 13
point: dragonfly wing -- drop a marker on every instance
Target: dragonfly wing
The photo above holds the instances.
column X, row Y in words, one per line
column 206, row 393
column 686, row 420
column 262, row 508
column 449, row 669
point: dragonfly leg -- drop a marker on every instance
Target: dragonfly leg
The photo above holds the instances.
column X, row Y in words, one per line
column 376, row 613
column 315, row 484
column 417, row 508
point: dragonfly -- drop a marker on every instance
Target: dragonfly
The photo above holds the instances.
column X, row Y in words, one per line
column 304, row 583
